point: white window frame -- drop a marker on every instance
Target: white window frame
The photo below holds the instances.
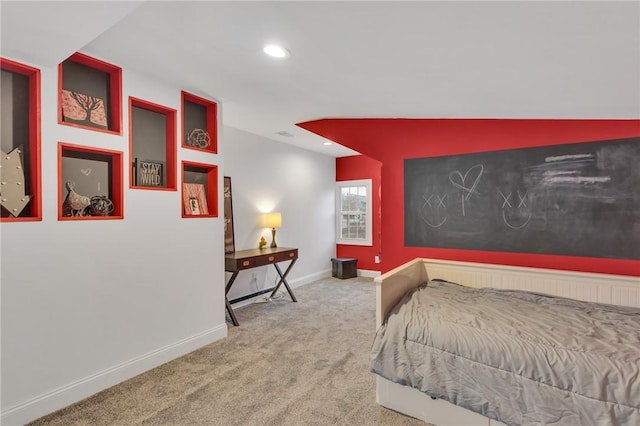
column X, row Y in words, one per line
column 367, row 240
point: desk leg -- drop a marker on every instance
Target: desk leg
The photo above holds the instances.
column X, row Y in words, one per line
column 283, row 280
column 234, row 320
column 231, row 313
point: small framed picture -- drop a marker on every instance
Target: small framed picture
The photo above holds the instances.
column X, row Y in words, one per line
column 195, row 207
column 149, row 173
column 194, row 199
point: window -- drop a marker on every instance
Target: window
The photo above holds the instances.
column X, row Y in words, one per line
column 353, row 212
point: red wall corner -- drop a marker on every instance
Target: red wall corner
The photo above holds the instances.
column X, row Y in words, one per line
column 362, row 167
column 391, row 141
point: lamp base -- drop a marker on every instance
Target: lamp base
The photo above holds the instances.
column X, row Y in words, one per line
column 273, row 238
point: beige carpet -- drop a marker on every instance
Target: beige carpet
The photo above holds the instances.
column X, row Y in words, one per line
column 304, row 363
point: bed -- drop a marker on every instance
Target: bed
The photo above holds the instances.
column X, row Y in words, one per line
column 565, row 352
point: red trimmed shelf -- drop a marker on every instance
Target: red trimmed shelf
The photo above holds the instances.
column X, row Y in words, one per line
column 90, row 94
column 89, row 183
column 152, row 146
column 21, row 185
column 199, row 190
column 199, row 123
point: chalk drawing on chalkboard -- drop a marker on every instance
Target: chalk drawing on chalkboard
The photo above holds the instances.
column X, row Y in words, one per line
column 572, row 157
column 522, row 199
column 576, row 199
column 508, row 217
column 467, row 192
column 430, row 213
column 574, row 174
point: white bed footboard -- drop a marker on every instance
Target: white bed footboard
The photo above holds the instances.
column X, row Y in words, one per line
column 591, row 287
column 391, row 286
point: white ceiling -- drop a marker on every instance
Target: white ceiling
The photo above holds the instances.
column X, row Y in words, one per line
column 428, row 59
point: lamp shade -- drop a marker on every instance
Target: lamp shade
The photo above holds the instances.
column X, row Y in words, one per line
column 273, row 220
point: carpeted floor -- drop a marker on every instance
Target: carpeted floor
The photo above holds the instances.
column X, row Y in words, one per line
column 304, row 363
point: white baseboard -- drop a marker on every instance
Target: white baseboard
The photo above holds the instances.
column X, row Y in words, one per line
column 293, row 283
column 368, row 273
column 85, row 387
column 307, row 279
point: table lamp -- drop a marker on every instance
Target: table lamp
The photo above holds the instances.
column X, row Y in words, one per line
column 273, row 220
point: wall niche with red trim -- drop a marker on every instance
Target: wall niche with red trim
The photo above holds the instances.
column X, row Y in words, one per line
column 20, row 186
column 152, row 143
column 199, row 123
column 89, row 183
column 199, row 190
column 90, row 94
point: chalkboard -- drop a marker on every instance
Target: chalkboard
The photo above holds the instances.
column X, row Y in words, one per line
column 579, row 199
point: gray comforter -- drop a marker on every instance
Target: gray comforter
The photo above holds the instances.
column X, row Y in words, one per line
column 517, row 357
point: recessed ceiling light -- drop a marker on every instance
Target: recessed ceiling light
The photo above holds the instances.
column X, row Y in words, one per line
column 276, row 51
column 327, row 143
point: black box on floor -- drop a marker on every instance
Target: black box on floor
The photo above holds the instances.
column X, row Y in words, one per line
column 343, row 267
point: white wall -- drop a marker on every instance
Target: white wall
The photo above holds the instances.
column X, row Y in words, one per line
column 271, row 176
column 86, row 304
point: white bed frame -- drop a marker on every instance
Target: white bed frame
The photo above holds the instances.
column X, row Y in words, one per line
column 391, row 286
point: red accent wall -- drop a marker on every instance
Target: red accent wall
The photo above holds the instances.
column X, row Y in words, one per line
column 393, row 140
column 362, row 167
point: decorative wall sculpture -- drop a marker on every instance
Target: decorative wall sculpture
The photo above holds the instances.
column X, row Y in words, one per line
column 12, row 189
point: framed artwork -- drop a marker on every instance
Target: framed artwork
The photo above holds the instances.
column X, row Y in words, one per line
column 83, row 109
column 195, row 206
column 195, row 200
column 229, row 243
column 148, row 173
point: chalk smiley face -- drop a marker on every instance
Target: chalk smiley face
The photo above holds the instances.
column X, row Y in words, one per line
column 516, row 213
column 433, row 210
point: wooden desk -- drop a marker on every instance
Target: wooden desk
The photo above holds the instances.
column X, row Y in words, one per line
column 253, row 258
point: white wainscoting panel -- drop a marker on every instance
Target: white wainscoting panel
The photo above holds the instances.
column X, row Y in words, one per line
column 603, row 288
